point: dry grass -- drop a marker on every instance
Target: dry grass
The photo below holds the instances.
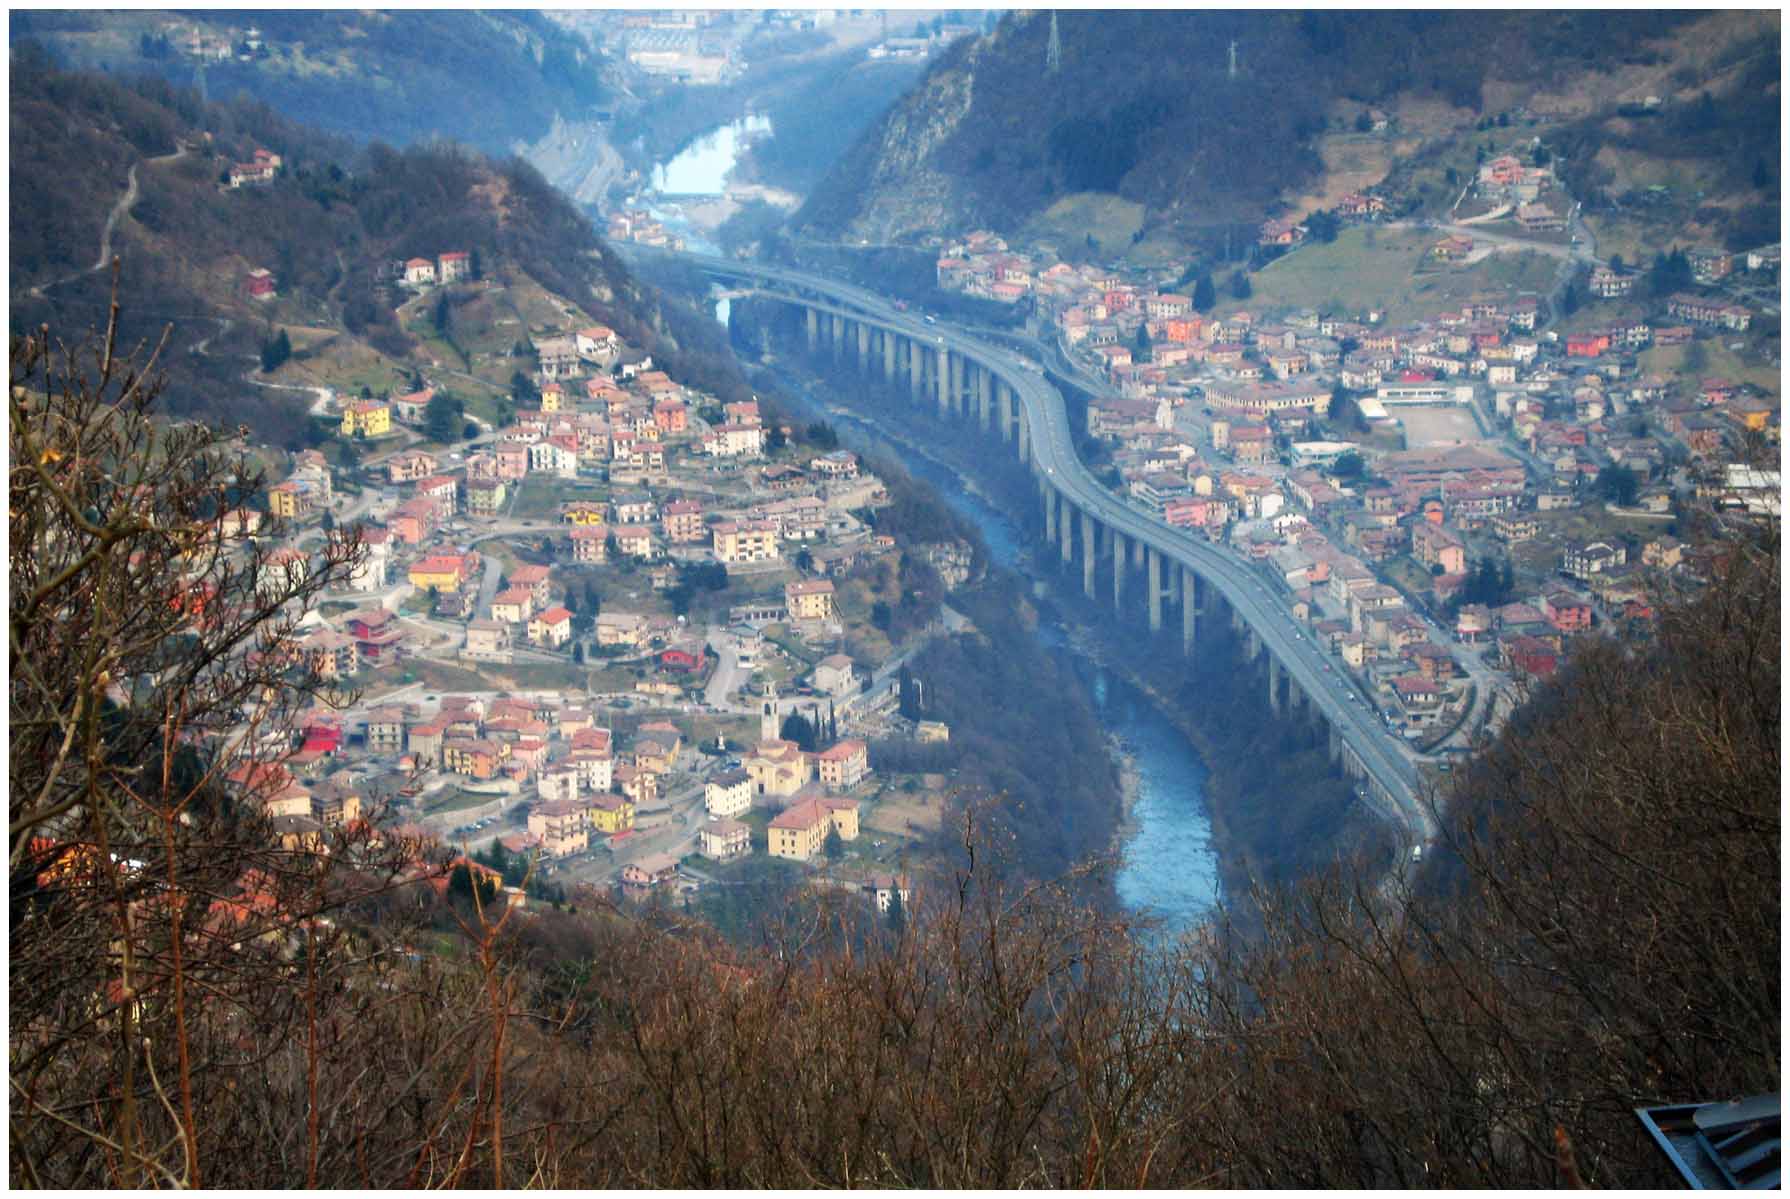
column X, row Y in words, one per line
column 346, row 365
column 1722, row 363
column 1352, row 162
column 1695, row 46
column 903, row 814
column 1110, row 220
column 1390, row 269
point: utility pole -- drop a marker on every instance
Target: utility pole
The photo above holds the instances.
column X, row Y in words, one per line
column 1053, row 55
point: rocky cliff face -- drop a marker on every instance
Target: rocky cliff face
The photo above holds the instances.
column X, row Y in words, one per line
column 907, row 188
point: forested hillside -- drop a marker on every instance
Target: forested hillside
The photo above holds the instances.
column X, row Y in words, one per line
column 327, row 227
column 488, row 79
column 1147, row 104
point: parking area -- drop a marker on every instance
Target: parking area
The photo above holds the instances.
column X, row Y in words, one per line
column 1436, row 424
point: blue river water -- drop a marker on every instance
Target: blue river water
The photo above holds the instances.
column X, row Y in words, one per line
column 1168, row 869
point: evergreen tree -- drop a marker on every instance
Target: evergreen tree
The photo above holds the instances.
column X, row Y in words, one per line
column 1204, row 294
column 274, row 352
column 897, row 916
column 1140, row 345
column 1240, row 286
column 441, row 418
column 834, row 844
column 1619, row 485
column 578, row 653
column 798, row 728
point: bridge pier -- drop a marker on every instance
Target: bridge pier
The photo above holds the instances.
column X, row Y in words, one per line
column 1118, row 547
column 1189, row 613
column 973, row 395
column 1090, row 554
column 1155, row 584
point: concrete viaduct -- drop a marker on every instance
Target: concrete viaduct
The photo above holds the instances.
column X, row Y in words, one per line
column 1121, row 550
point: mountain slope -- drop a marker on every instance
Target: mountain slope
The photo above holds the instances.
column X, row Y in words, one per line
column 1147, row 105
column 327, row 226
column 491, row 80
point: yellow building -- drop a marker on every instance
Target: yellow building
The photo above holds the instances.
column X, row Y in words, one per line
column 553, row 397
column 562, row 827
column 800, row 832
column 611, row 813
column 584, row 512
column 777, row 768
column 809, row 599
column 746, row 541
column 444, row 572
column 283, row 500
column 368, row 417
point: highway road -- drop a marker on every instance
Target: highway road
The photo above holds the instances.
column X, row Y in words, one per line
column 1053, row 449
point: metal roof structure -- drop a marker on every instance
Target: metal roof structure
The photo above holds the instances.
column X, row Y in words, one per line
column 1720, row 1146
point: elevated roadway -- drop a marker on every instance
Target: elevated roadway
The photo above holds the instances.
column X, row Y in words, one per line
column 994, row 386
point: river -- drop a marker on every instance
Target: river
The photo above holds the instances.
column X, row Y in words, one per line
column 701, row 169
column 1169, row 869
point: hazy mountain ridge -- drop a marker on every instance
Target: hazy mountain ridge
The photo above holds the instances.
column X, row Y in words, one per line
column 1147, row 105
column 493, row 80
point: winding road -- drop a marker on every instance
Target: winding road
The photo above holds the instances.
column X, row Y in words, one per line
column 119, row 210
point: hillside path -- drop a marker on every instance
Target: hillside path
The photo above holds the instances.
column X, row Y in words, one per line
column 119, row 210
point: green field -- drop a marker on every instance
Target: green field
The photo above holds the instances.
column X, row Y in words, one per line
column 1721, row 363
column 1108, row 219
column 540, row 496
column 1389, row 269
column 457, row 800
